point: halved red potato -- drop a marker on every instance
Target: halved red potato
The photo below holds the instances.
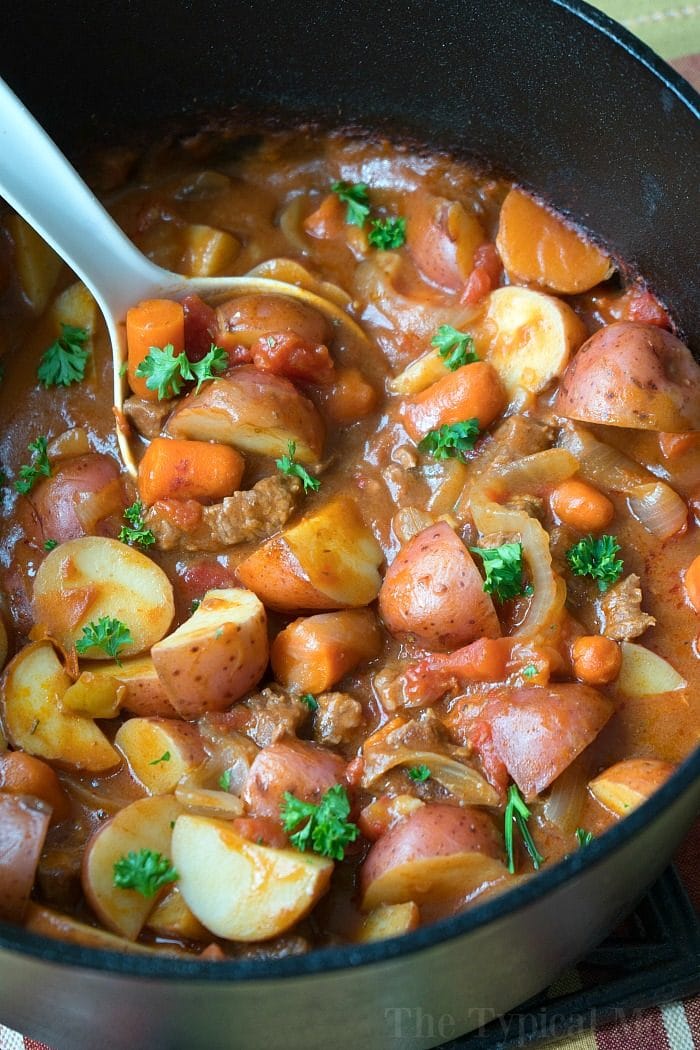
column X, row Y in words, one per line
column 24, row 821
column 49, row 923
column 433, row 593
column 315, row 652
column 389, row 920
column 247, row 318
column 217, row 655
column 437, row 853
column 143, row 692
column 145, row 824
column 86, row 579
column 329, row 560
column 305, row 770
column 81, row 493
column 255, row 412
column 442, row 237
column 538, row 731
column 239, row 889
column 23, row 774
column 159, row 751
column 172, row 918
column 632, row 375
column 34, row 720
column 624, row 786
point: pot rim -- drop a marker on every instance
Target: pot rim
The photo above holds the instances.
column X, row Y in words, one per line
column 322, row 960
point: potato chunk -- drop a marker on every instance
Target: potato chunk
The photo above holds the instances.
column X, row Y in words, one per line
column 239, row 889
column 91, row 577
column 159, row 751
column 32, row 689
column 142, row 692
column 624, row 786
column 217, row 655
column 389, row 920
column 24, row 822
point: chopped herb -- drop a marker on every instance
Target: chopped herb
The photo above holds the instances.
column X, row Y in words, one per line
column 135, row 531
column 35, row 726
column 39, row 467
column 356, row 197
column 419, row 773
column 387, row 233
column 310, row 700
column 165, row 757
column 145, row 871
column 50, row 545
column 214, row 362
column 530, row 671
column 517, row 813
column 196, row 602
column 454, row 347
column 64, row 361
column 106, row 633
column 225, row 780
column 584, row 837
column 288, row 465
column 123, row 368
column 595, row 557
column 327, row 829
column 164, row 371
column 504, row 569
column 451, row 441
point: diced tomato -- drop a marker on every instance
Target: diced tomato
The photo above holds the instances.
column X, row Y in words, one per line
column 642, row 306
column 286, row 354
column 200, row 326
column 328, row 221
column 193, row 580
column 495, row 771
column 485, row 275
column 263, row 830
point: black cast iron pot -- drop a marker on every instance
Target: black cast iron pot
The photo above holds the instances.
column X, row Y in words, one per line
column 558, row 96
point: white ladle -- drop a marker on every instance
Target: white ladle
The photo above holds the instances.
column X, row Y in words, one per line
column 40, row 184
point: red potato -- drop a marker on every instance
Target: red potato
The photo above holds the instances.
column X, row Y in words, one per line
column 245, row 319
column 159, row 751
column 314, row 653
column 329, row 560
column 472, row 392
column 48, row 923
column 434, row 593
column 24, row 821
column 632, row 375
column 217, row 655
column 305, row 770
column 255, row 412
column 22, row 774
column 442, row 237
column 77, row 500
column 538, row 731
column 626, row 785
column 143, row 692
column 438, row 852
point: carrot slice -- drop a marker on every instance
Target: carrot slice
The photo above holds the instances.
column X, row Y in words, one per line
column 472, row 392
column 154, row 322
column 188, row 470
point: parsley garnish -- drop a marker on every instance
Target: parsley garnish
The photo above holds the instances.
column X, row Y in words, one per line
column 214, row 362
column 356, row 197
column 106, row 633
column 145, row 871
column 39, row 467
column 50, row 545
column 504, row 570
column 310, row 700
column 166, row 372
column 165, row 757
column 596, row 558
column 419, row 773
column 288, row 465
column 196, row 602
column 64, row 361
column 517, row 813
column 327, row 829
column 136, row 532
column 387, row 233
column 225, row 780
column 584, row 837
column 454, row 347
column 451, row 441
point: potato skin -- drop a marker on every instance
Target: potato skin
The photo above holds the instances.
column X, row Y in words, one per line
column 433, row 593
column 24, row 821
column 243, row 320
column 53, row 503
column 305, row 770
column 632, row 375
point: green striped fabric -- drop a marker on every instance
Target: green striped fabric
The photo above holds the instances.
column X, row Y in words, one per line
column 671, row 29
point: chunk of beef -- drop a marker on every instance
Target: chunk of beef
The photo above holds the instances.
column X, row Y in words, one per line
column 147, row 416
column 337, row 718
column 621, row 610
column 273, row 715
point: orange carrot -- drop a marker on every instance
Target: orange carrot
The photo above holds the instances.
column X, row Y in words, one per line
column 188, row 470
column 472, row 392
column 692, row 583
column 22, row 774
column 350, row 397
column 313, row 653
column 674, row 445
column 154, row 322
column 596, row 659
column 582, row 506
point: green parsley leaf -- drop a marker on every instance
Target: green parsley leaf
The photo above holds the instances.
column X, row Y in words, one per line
column 386, row 234
column 517, row 813
column 145, row 871
column 310, row 700
column 196, row 602
column 451, row 441
column 64, row 361
column 419, row 773
column 106, row 633
column 356, row 197
column 595, row 557
column 39, row 467
column 50, row 545
column 165, row 757
column 584, row 837
column 225, row 780
column 530, row 671
column 164, row 371
column 504, row 569
column 454, row 347
column 135, row 531
column 288, row 465
column 123, row 368
column 214, row 362
column 327, row 829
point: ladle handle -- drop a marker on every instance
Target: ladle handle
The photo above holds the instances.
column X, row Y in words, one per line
column 40, row 184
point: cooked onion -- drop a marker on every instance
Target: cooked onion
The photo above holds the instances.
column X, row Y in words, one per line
column 459, row 779
column 568, row 794
column 659, row 509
